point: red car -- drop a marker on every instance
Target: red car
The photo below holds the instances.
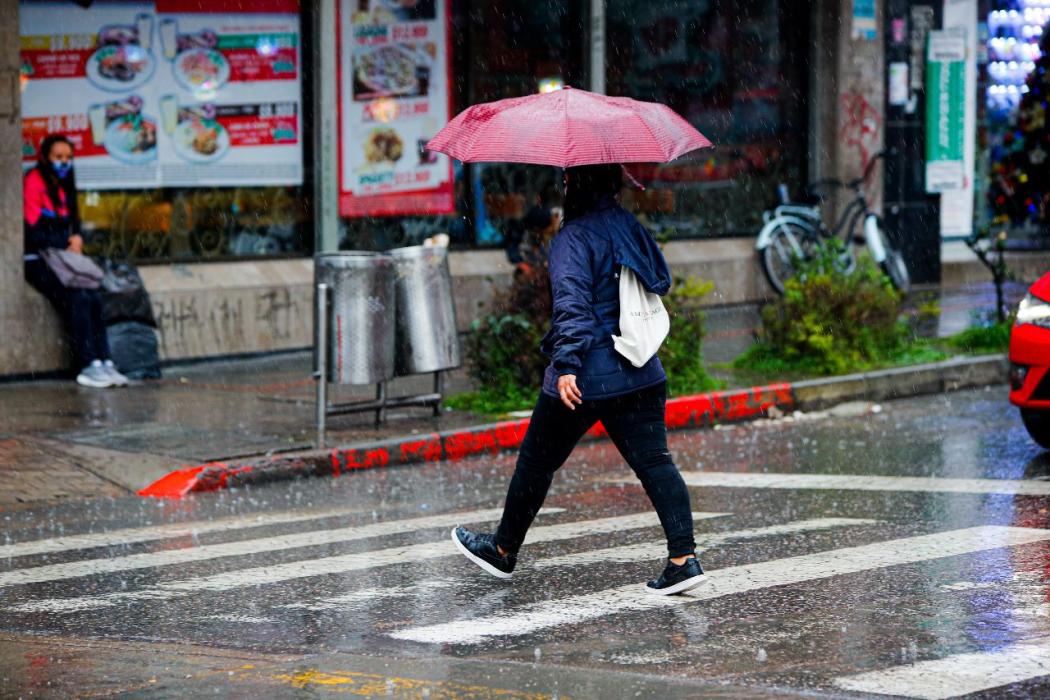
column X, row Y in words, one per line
column 1030, row 361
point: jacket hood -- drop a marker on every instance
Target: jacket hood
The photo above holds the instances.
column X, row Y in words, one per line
column 633, row 245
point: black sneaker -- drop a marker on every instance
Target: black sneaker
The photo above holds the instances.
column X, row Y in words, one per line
column 481, row 549
column 678, row 579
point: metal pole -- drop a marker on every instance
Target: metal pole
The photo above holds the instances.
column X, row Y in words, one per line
column 321, row 355
column 381, row 401
column 438, row 386
column 326, row 129
column 597, row 46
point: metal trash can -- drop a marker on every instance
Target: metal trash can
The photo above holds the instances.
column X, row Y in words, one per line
column 360, row 315
column 426, row 318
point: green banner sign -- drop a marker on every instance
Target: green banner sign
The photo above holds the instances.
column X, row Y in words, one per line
column 945, row 110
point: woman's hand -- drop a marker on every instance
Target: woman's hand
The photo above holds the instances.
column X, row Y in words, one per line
column 76, row 244
column 568, row 391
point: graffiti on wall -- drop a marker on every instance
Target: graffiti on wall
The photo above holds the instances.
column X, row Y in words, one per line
column 861, row 131
column 201, row 324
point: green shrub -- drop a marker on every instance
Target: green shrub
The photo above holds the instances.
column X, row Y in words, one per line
column 505, row 361
column 994, row 337
column 830, row 322
column 682, row 351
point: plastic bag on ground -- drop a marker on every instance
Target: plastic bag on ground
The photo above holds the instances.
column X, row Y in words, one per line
column 124, row 296
column 133, row 347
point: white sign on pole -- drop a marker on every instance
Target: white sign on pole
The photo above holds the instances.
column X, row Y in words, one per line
column 957, row 206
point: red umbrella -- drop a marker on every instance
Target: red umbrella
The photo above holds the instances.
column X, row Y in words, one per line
column 565, row 128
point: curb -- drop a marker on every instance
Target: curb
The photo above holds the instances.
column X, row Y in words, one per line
column 701, row 410
column 902, row 382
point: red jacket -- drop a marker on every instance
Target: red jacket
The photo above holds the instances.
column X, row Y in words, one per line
column 47, row 225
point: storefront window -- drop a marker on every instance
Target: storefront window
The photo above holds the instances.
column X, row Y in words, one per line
column 1015, row 131
column 736, row 70
column 195, row 223
column 187, row 121
column 500, row 49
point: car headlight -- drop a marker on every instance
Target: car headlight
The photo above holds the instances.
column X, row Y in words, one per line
column 1033, row 310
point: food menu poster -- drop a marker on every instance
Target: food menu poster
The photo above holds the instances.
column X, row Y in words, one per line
column 166, row 93
column 393, row 87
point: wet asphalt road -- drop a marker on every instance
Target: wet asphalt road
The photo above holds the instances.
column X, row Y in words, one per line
column 910, row 556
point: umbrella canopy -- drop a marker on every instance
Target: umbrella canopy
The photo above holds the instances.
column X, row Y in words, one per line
column 566, row 128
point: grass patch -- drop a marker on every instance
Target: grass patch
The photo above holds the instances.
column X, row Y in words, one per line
column 763, row 361
column 489, row 402
column 981, row 339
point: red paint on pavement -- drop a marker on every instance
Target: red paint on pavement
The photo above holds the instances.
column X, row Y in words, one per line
column 174, row 485
column 727, row 406
column 426, row 450
column 364, row 458
column 218, row 476
column 460, row 445
column 509, row 435
column 597, row 431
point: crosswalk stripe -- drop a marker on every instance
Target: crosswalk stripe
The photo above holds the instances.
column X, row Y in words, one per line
column 277, row 573
column 630, row 553
column 651, row 551
column 152, row 533
column 143, row 560
column 723, row 582
column 858, row 482
column 959, row 674
column 368, row 596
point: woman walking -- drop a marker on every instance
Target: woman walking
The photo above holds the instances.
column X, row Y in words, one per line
column 51, row 221
column 588, row 381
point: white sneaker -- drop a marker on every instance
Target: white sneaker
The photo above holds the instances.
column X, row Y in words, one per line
column 95, row 376
column 118, row 378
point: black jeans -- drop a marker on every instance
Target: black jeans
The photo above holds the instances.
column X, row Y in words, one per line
column 81, row 309
column 635, row 422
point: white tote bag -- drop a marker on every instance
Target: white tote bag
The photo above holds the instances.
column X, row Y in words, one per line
column 643, row 320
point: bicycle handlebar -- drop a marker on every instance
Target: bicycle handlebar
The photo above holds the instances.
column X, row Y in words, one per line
column 871, row 164
column 854, row 183
column 813, row 188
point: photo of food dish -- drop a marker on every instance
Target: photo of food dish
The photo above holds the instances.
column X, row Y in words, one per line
column 201, row 69
column 131, row 138
column 201, row 140
column 204, row 39
column 117, row 68
column 389, row 71
column 118, row 35
column 383, row 146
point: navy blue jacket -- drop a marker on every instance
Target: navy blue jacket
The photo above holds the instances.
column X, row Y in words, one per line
column 585, row 260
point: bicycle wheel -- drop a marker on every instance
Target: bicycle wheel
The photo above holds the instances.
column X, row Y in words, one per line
column 892, row 263
column 897, row 271
column 789, row 243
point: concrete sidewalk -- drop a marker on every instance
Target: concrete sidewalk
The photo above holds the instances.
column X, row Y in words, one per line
column 59, row 440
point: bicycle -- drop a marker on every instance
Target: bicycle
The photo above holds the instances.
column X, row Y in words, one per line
column 793, row 231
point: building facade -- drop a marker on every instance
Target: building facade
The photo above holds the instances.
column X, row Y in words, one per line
column 788, row 91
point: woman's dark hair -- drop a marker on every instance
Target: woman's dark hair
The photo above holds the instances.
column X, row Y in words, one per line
column 588, row 185
column 54, row 183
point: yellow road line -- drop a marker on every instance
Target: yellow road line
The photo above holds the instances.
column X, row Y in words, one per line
column 375, row 685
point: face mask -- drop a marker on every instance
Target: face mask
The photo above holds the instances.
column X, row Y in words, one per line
column 61, row 169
